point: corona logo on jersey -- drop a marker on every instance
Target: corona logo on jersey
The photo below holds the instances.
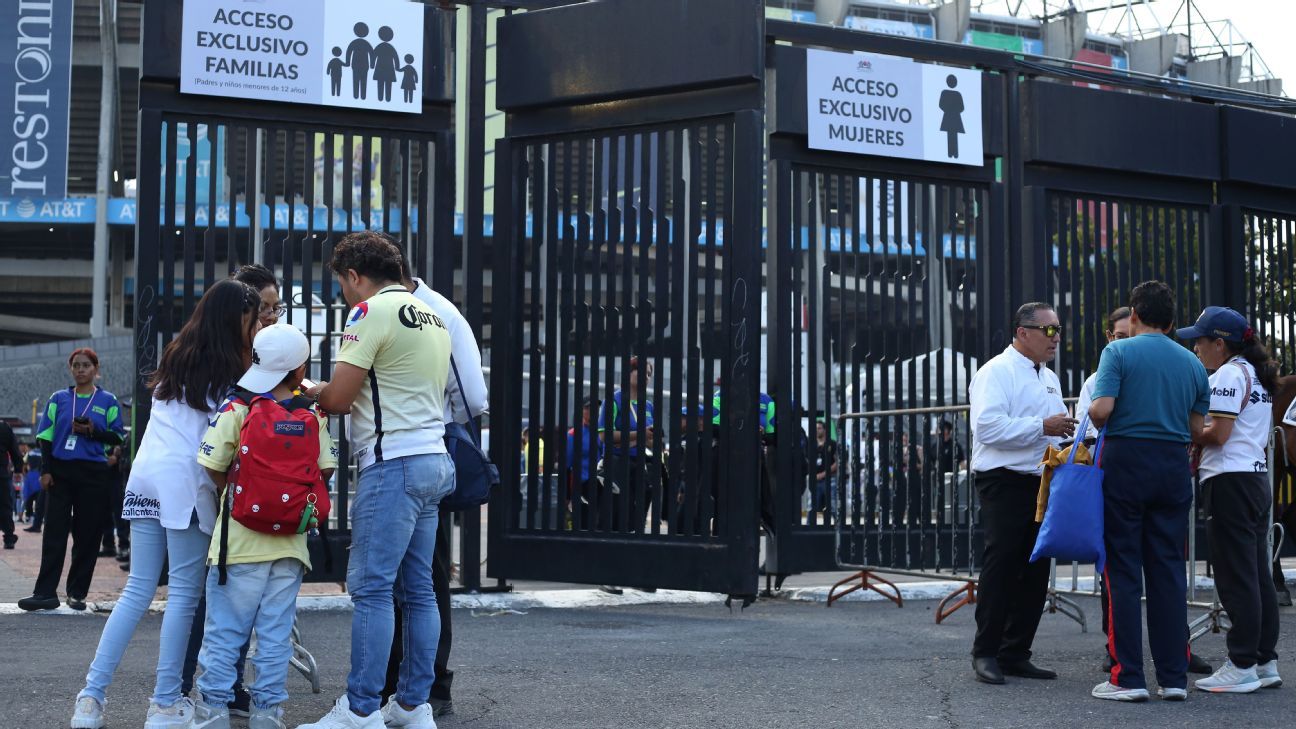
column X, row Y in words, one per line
column 359, row 312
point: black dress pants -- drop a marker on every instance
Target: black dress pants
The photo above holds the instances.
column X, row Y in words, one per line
column 441, row 584
column 1011, row 591
column 1238, row 526
column 74, row 505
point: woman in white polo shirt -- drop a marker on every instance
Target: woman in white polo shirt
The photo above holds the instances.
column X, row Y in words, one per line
column 1235, row 486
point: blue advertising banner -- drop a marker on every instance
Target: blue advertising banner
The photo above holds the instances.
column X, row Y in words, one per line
column 35, row 82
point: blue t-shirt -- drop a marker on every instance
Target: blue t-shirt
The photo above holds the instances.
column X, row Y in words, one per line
column 1156, row 383
column 56, row 425
column 614, row 417
column 591, row 450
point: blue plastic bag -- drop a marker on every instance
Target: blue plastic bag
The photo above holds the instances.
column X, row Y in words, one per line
column 1072, row 529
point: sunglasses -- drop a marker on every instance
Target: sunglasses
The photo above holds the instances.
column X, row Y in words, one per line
column 1050, row 330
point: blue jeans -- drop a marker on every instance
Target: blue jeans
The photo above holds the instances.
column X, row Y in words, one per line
column 151, row 546
column 261, row 595
column 393, row 535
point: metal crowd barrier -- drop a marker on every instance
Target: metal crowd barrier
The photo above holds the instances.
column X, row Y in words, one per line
column 885, row 523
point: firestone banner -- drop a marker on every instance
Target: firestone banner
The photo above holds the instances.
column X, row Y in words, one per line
column 365, row 55
column 35, row 84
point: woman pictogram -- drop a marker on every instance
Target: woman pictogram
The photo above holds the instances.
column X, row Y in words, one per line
column 951, row 102
column 386, row 64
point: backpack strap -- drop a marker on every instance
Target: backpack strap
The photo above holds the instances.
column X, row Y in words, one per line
column 224, row 540
column 1247, row 397
column 472, row 422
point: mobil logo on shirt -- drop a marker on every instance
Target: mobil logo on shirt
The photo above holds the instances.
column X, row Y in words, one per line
column 1224, row 392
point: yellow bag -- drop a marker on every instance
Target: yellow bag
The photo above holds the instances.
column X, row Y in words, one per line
column 1052, row 459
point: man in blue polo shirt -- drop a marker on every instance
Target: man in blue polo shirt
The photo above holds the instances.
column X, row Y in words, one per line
column 1152, row 395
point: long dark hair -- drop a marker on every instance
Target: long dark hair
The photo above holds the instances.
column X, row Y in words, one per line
column 206, row 357
column 1254, row 351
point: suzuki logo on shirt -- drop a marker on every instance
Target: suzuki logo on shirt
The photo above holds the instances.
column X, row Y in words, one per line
column 411, row 317
column 1257, row 398
column 1051, row 390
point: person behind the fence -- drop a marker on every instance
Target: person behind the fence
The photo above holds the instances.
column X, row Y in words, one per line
column 825, row 469
column 945, row 455
column 1152, row 395
column 1236, row 494
column 584, row 451
column 1017, row 412
column 620, row 420
column 254, row 576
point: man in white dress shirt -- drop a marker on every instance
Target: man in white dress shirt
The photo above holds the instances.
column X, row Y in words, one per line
column 1017, row 412
column 466, row 356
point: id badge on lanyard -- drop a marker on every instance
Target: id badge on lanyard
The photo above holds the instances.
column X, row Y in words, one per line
column 70, row 443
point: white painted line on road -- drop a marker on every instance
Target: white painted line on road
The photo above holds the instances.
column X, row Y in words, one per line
column 513, row 602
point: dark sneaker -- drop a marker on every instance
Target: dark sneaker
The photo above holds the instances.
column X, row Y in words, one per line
column 109, row 552
column 1197, row 664
column 76, row 603
column 441, row 707
column 242, row 703
column 10, row 540
column 33, row 529
column 36, row 602
column 123, row 554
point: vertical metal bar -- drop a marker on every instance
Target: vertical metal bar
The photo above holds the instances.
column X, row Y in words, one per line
column 549, row 243
column 683, row 241
column 583, row 519
column 266, row 243
column 535, row 309
column 742, row 366
column 308, row 244
column 700, row 461
column 148, row 236
column 475, row 167
column 209, row 231
column 601, row 508
column 190, row 216
column 168, row 242
column 559, row 342
column 290, row 199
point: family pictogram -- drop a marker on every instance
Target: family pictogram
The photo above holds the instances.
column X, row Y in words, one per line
column 383, row 60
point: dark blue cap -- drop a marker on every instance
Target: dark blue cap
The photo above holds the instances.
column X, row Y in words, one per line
column 1218, row 322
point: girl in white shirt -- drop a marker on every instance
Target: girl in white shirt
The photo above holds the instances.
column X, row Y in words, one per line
column 1234, row 473
column 171, row 501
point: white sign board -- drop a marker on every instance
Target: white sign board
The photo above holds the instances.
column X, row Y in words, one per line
column 365, row 55
column 867, row 103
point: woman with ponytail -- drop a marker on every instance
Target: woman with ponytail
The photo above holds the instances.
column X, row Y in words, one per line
column 1234, row 474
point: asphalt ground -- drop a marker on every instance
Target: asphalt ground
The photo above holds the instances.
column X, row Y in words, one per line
column 777, row 664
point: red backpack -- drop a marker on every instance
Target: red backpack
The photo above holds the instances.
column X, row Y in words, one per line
column 275, row 485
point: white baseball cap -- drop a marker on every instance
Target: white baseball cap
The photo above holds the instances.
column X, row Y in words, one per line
column 277, row 350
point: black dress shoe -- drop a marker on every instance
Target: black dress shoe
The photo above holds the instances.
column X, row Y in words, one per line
column 76, row 603
column 1197, row 664
column 1026, row 669
column 10, row 540
column 987, row 670
column 36, row 602
column 33, row 529
column 441, row 707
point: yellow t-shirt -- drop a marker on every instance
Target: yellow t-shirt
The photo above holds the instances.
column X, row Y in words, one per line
column 217, row 453
column 405, row 347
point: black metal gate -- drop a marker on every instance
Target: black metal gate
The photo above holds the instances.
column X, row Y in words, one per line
column 628, row 290
column 280, row 184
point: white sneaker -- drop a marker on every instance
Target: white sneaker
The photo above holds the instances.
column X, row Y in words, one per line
column 1268, row 674
column 1230, row 679
column 1173, row 694
column 420, row 717
column 176, row 716
column 268, row 718
column 341, row 717
column 207, row 716
column 88, row 713
column 1112, row 692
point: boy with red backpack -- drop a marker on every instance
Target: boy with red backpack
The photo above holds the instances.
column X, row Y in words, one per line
column 270, row 454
